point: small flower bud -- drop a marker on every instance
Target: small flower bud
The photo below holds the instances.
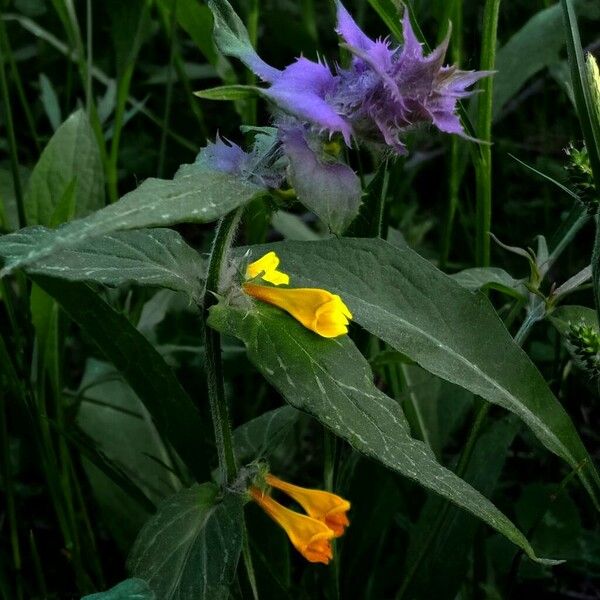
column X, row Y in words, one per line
column 584, row 344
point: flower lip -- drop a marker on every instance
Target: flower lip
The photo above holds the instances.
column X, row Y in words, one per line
column 325, row 506
column 266, row 268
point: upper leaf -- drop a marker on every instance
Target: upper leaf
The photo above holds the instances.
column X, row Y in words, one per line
column 191, row 547
column 193, row 195
column 403, row 299
column 150, row 257
column 330, row 379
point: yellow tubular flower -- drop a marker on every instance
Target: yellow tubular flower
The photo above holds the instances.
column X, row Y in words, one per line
column 310, row 537
column 266, row 268
column 318, row 310
column 320, row 505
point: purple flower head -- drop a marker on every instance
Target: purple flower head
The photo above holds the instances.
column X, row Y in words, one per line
column 387, row 90
column 305, row 89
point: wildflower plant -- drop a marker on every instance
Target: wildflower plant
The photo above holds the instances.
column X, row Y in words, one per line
column 331, row 328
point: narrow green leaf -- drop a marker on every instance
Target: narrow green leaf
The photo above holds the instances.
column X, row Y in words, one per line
column 50, row 102
column 403, row 299
column 229, row 92
column 194, row 195
column 540, row 40
column 331, row 380
column 71, row 155
column 130, row 589
column 389, row 13
column 148, row 257
column 140, row 364
column 191, row 547
column 587, row 113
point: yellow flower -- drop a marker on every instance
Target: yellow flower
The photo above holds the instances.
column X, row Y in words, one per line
column 266, row 269
column 323, row 506
column 318, row 310
column 310, row 537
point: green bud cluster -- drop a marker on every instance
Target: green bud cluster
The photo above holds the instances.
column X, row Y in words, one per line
column 584, row 343
column 582, row 179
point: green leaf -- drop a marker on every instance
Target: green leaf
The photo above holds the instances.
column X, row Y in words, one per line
column 230, row 33
column 404, row 300
column 140, row 364
column 50, row 102
column 196, row 19
column 535, row 46
column 130, row 589
column 71, row 155
column 148, row 257
column 440, row 573
column 260, row 436
column 483, row 278
column 229, row 92
column 194, row 195
column 331, row 380
column 122, row 429
column 191, row 547
column 389, row 13
column 565, row 316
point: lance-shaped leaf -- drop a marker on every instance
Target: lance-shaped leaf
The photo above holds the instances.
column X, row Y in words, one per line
column 194, row 196
column 191, row 547
column 70, row 158
column 403, row 299
column 330, row 379
column 148, row 257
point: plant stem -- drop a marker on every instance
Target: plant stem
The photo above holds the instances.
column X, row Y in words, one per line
column 169, row 89
column 10, row 130
column 214, row 366
column 483, row 165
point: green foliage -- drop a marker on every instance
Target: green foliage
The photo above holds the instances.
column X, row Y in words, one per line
column 392, row 292
column 71, row 158
column 145, row 257
column 191, row 547
column 133, row 367
column 139, row 363
column 130, row 589
column 194, row 195
column 332, row 381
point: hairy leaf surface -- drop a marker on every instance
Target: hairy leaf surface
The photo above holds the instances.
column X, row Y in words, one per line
column 403, row 299
column 331, row 380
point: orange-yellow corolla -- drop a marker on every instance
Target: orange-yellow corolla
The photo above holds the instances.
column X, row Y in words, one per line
column 312, row 538
column 324, row 506
column 318, row 310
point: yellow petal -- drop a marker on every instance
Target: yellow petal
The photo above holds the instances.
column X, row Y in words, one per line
column 318, row 310
column 324, row 506
column 310, row 537
column 266, row 268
